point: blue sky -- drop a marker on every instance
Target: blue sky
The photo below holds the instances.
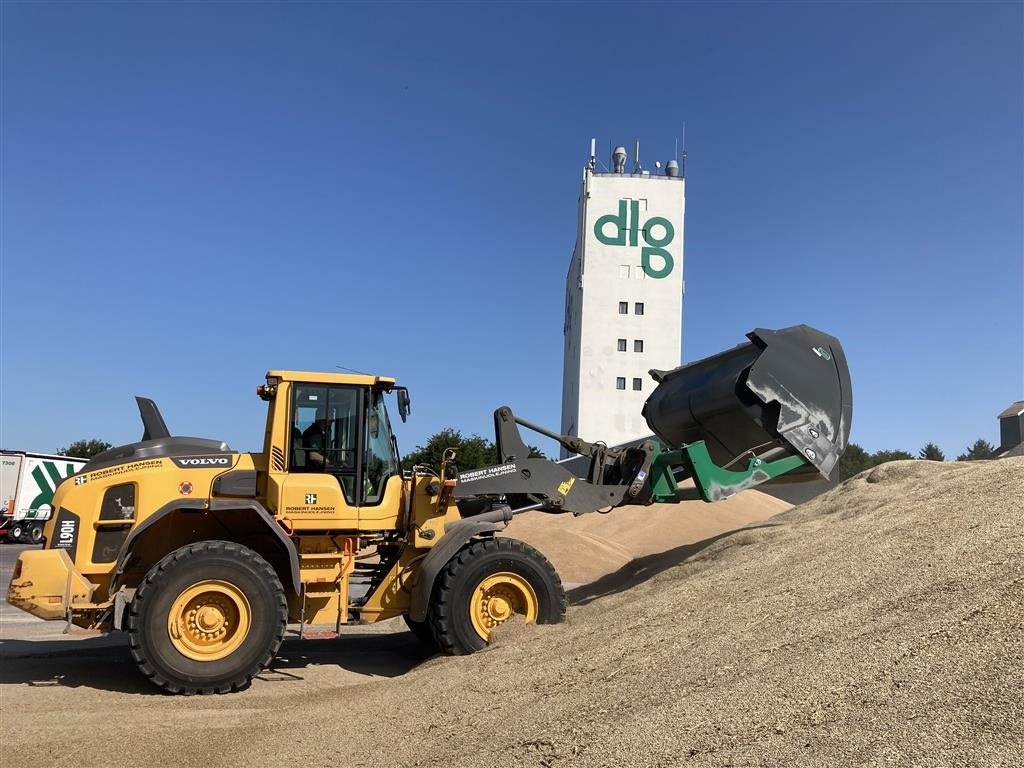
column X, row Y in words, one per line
column 195, row 193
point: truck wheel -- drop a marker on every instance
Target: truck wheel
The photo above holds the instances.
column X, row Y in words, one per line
column 486, row 584
column 35, row 533
column 17, row 533
column 422, row 631
column 207, row 618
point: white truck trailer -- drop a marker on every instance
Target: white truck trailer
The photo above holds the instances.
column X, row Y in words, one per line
column 27, row 483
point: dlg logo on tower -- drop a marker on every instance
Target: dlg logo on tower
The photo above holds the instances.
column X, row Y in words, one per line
column 630, row 228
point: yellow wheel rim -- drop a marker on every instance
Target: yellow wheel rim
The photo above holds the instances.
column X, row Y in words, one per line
column 209, row 620
column 499, row 597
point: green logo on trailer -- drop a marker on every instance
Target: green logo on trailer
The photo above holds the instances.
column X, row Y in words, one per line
column 628, row 227
column 46, row 489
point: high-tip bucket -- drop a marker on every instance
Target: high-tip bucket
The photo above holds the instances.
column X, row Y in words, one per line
column 785, row 392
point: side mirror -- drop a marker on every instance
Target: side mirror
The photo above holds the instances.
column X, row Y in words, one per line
column 374, row 425
column 403, row 402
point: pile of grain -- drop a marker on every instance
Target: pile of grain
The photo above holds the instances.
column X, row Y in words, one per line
column 588, row 547
column 880, row 623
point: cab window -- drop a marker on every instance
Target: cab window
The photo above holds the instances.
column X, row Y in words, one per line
column 381, row 461
column 325, row 433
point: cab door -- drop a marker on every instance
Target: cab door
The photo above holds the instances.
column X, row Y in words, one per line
column 381, row 501
column 325, row 450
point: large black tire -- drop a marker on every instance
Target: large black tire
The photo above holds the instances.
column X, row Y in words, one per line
column 161, row 658
column 456, row 587
column 17, row 534
column 35, row 533
column 422, row 631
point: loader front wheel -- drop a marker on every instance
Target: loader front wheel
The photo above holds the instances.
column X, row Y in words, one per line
column 422, row 631
column 207, row 618
column 485, row 585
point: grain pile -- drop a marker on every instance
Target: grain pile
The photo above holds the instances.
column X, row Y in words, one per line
column 880, row 624
column 590, row 546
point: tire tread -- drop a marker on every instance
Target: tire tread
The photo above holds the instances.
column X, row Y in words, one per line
column 441, row 616
column 159, row 571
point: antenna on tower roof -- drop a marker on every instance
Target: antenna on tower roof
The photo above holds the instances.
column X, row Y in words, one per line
column 596, row 164
column 682, row 165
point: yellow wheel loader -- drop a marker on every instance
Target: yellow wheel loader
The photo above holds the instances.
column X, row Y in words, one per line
column 204, row 555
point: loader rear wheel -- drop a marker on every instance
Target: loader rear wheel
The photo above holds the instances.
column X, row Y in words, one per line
column 207, row 618
column 485, row 585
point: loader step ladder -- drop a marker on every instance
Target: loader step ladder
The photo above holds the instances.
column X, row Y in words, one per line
column 324, row 575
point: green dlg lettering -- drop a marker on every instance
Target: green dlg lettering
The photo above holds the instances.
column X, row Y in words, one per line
column 655, row 247
column 620, row 226
column 645, row 262
column 628, row 223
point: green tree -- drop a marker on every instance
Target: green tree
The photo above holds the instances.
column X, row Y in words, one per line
column 471, row 452
column 881, row 457
column 85, row 449
column 853, row 461
column 982, row 449
column 931, row 452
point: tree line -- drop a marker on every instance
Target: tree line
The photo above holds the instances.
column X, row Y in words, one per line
column 855, row 460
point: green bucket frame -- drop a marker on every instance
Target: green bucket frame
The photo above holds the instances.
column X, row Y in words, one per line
column 713, row 482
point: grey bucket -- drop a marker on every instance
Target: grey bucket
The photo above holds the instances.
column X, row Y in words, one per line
column 785, row 392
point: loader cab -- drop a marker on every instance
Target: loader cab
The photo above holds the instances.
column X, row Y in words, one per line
column 331, row 445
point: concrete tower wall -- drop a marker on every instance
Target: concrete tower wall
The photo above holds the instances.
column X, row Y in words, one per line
column 629, row 249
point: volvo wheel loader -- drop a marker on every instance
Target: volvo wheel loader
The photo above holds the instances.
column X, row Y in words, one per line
column 203, row 555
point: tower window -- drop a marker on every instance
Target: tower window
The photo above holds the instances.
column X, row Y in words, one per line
column 638, row 308
column 638, row 345
column 623, row 307
column 622, row 345
column 624, row 271
column 620, row 382
column 637, row 385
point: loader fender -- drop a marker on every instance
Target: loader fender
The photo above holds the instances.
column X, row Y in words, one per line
column 456, row 536
column 212, row 505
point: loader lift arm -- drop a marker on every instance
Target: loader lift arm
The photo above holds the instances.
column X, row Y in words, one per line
column 780, row 404
column 643, row 473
